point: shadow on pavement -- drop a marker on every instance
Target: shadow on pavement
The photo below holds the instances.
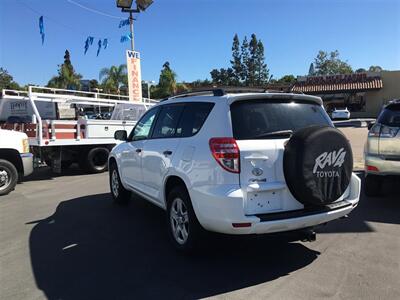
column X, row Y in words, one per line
column 92, row 249
column 383, row 209
column 46, row 173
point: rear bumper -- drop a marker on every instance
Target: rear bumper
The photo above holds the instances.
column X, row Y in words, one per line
column 385, row 166
column 218, row 213
column 27, row 163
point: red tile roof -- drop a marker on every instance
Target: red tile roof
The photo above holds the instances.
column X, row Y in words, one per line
column 337, row 83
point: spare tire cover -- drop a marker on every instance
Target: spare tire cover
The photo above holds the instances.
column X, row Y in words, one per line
column 317, row 164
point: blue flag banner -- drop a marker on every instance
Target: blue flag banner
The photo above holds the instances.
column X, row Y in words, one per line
column 41, row 28
column 86, row 45
column 126, row 37
column 105, row 43
column 99, row 47
column 91, row 39
column 123, row 23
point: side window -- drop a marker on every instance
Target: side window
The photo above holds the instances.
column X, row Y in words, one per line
column 193, row 118
column 142, row 128
column 167, row 121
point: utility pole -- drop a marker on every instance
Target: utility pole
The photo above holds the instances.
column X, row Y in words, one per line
column 126, row 6
column 131, row 27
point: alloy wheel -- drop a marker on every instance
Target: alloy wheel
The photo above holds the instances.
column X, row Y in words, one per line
column 179, row 220
column 4, row 179
column 115, row 183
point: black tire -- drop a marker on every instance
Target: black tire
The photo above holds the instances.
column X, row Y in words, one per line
column 195, row 232
column 373, row 185
column 119, row 194
column 8, row 177
column 96, row 160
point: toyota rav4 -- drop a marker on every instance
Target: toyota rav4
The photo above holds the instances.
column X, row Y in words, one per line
column 248, row 163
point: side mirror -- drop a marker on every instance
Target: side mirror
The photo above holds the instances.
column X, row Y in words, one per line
column 370, row 125
column 121, row 135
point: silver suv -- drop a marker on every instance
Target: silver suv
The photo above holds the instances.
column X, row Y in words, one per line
column 382, row 150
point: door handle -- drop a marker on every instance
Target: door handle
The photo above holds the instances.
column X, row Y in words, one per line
column 138, row 150
column 167, row 152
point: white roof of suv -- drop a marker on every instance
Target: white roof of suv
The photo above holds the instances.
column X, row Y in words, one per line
column 214, row 94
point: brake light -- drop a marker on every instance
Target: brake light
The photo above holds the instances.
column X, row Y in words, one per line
column 372, row 168
column 226, row 152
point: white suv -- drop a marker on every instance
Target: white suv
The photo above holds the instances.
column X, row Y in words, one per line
column 250, row 163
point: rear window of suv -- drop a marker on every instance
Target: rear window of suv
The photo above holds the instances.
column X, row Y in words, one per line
column 254, row 118
column 390, row 116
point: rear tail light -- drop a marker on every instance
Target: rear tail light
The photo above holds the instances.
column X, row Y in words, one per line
column 383, row 131
column 372, row 168
column 226, row 153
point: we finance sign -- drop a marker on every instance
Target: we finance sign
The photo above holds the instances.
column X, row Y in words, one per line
column 134, row 75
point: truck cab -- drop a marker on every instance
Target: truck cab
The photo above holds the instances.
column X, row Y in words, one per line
column 16, row 161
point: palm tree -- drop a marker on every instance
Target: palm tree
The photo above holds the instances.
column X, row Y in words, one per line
column 114, row 78
column 167, row 81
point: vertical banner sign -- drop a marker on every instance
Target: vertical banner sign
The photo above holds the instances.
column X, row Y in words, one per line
column 134, row 75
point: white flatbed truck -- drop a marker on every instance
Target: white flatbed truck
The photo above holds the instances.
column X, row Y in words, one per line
column 58, row 131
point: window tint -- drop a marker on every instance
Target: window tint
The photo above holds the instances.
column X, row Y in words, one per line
column 167, row 121
column 390, row 116
column 254, row 118
column 142, row 128
column 193, row 118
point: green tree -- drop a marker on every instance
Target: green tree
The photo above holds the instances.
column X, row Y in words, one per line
column 262, row 72
column 311, row 70
column 167, row 81
column 67, row 78
column 330, row 64
column 245, row 61
column 201, row 83
column 251, row 62
column 361, row 70
column 236, row 61
column 375, row 69
column 287, row 79
column 7, row 81
column 114, row 79
column 93, row 84
column 167, row 85
column 223, row 77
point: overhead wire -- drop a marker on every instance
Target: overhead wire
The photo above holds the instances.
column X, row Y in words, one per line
column 94, row 10
column 54, row 20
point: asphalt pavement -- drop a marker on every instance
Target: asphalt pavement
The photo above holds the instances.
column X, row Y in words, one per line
column 63, row 238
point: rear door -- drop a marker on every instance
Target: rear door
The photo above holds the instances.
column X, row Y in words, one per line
column 261, row 128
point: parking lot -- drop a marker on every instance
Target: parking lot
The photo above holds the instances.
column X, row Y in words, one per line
column 63, row 238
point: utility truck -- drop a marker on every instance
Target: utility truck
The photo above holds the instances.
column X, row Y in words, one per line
column 67, row 126
column 15, row 159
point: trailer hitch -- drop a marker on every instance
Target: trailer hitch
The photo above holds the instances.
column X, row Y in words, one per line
column 309, row 235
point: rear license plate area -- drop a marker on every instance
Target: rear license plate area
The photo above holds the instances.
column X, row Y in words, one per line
column 263, row 202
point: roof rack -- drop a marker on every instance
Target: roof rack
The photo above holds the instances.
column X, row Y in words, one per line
column 218, row 92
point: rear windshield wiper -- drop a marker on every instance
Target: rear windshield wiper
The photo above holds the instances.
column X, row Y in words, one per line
column 274, row 134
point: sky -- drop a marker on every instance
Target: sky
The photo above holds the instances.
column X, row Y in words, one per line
column 195, row 36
